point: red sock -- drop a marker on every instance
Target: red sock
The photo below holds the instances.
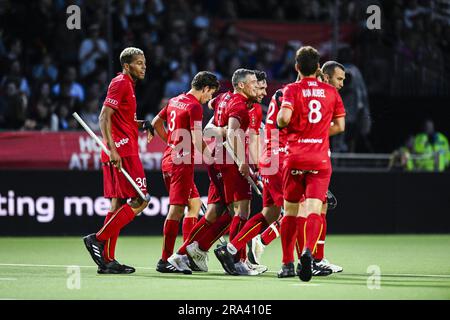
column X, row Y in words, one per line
column 188, row 225
column 215, row 231
column 288, row 233
column 313, row 228
column 271, row 233
column 196, row 232
column 300, row 243
column 123, row 216
column 110, row 245
column 320, row 250
column 236, row 225
column 170, row 232
column 252, row 228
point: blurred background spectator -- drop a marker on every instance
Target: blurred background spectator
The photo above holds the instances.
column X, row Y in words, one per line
column 408, row 57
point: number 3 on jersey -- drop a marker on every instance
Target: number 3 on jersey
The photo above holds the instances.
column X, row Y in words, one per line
column 173, row 115
column 314, row 115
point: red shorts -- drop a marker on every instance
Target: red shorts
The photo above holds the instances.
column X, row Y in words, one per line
column 180, row 184
column 273, row 190
column 235, row 186
column 310, row 185
column 115, row 185
column 215, row 191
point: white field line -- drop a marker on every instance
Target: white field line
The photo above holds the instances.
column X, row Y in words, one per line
column 151, row 268
column 8, row 279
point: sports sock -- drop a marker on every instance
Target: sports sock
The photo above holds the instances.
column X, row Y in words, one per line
column 236, row 225
column 300, row 243
column 110, row 245
column 197, row 232
column 271, row 233
column 313, row 228
column 252, row 228
column 215, row 231
column 288, row 235
column 120, row 219
column 320, row 250
column 170, row 233
column 188, row 225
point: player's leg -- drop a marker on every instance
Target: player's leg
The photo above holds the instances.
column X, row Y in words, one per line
column 319, row 255
column 316, row 188
column 117, row 186
column 180, row 186
column 191, row 217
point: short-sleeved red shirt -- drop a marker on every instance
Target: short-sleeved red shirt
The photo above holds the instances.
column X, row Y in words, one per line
column 121, row 97
column 230, row 105
column 182, row 113
column 274, row 139
column 314, row 104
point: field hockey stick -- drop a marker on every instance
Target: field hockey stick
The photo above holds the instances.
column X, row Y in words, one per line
column 101, row 144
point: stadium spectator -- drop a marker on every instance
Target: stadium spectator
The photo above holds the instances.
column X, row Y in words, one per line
column 69, row 84
column 91, row 51
column 433, row 147
column 14, row 107
column 15, row 75
column 46, row 70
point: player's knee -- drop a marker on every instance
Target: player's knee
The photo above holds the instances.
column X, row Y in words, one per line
column 138, row 205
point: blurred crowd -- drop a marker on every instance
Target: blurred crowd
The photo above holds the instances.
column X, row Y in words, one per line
column 48, row 71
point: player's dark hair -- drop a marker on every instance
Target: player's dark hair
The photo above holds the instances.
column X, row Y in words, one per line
column 260, row 75
column 307, row 59
column 205, row 79
column 239, row 76
column 329, row 67
column 127, row 55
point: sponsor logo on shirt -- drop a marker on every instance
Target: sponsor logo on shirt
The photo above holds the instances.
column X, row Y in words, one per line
column 112, row 101
column 310, row 140
column 121, row 142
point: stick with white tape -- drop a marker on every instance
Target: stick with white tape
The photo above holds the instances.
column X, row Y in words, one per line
column 100, row 143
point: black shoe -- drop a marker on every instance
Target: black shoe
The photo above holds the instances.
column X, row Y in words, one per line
column 306, row 261
column 320, row 271
column 114, row 267
column 166, row 267
column 192, row 264
column 299, row 267
column 95, row 248
column 286, row 271
column 226, row 259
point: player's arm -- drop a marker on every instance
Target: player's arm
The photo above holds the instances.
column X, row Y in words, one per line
column 197, row 138
column 105, row 120
column 158, row 126
column 146, row 125
column 212, row 130
column 236, row 140
column 284, row 117
column 254, row 147
column 337, row 126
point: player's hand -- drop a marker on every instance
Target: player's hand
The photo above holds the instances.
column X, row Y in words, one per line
column 244, row 170
column 116, row 160
column 149, row 136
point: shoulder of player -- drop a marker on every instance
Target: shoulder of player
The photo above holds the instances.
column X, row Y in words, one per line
column 118, row 81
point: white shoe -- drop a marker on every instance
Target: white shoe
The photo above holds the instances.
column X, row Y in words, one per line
column 258, row 267
column 257, row 248
column 198, row 256
column 181, row 262
column 325, row 263
column 243, row 270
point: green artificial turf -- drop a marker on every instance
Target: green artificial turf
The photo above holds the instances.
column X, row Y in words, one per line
column 411, row 267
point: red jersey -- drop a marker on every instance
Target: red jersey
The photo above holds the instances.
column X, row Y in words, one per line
column 124, row 126
column 274, row 145
column 182, row 113
column 230, row 105
column 314, row 104
column 255, row 117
